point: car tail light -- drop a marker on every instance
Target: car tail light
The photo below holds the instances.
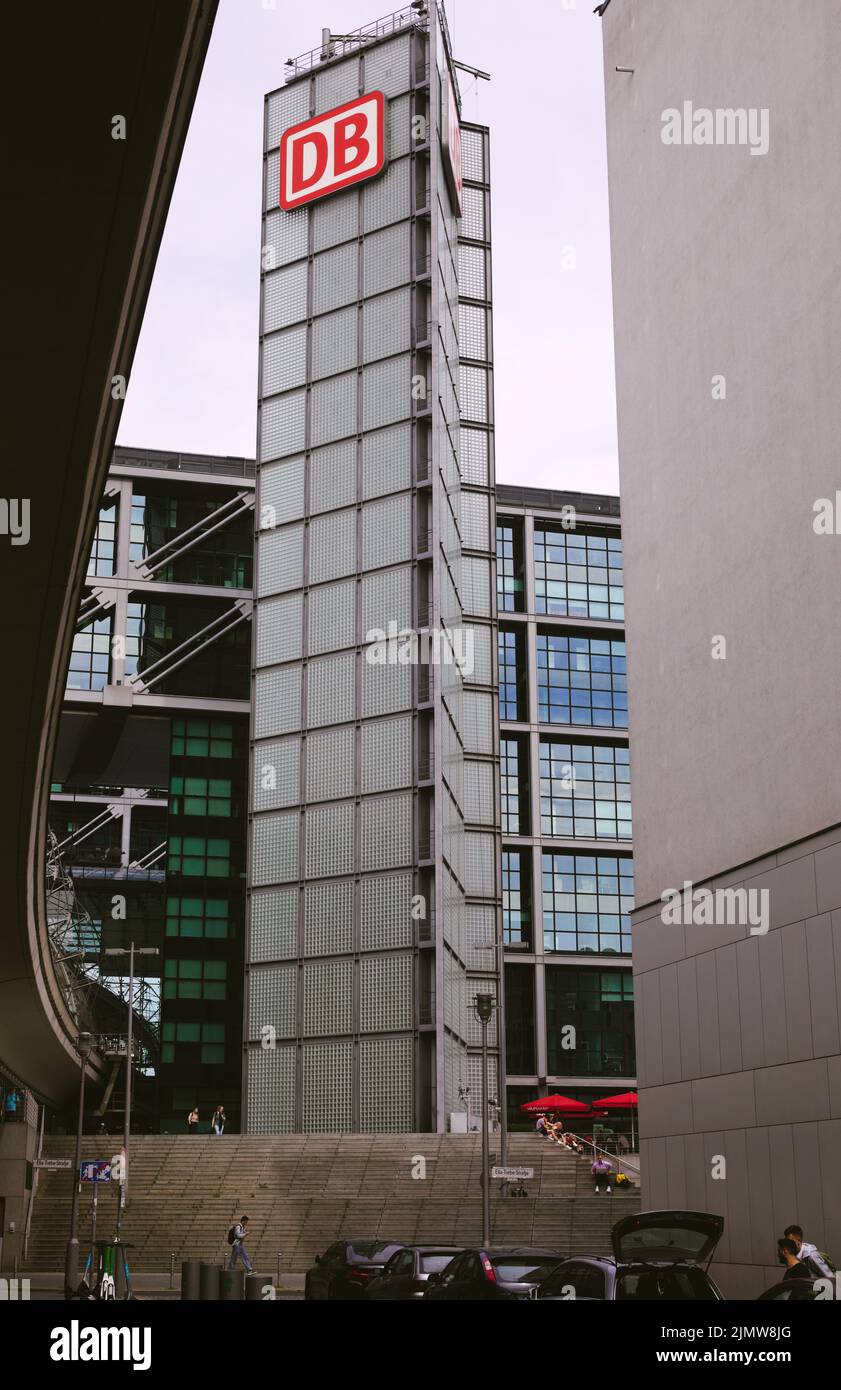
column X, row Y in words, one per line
column 362, row 1274
column 489, row 1269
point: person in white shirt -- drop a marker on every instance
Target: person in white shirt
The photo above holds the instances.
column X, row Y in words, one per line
column 809, row 1254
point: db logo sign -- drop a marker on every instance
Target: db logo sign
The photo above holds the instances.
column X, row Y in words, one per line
column 344, row 146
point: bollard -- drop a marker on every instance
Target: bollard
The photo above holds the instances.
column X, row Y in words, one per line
column 172, row 1269
column 190, row 1279
column 230, row 1285
column 259, row 1288
column 209, row 1282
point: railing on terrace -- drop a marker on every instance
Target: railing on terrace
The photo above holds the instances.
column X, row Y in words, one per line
column 413, row 17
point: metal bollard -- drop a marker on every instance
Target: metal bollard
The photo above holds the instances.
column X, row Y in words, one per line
column 231, row 1285
column 209, row 1277
column 172, row 1269
column 259, row 1288
column 191, row 1280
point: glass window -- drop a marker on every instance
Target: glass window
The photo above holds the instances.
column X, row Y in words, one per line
column 202, row 738
column 578, row 574
column 585, row 790
column 516, row 897
column 104, row 549
column 90, row 656
column 512, row 674
column 197, row 857
column 194, row 979
column 589, row 1021
column 581, row 680
column 519, row 1020
column 197, row 917
column 510, row 589
column 587, row 902
column 200, row 796
column 513, row 781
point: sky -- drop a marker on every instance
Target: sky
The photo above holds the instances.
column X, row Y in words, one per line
column 193, row 387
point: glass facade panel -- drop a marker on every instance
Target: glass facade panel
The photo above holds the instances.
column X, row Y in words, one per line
column 585, row 790
column 578, row 574
column 580, row 680
column 516, row 897
column 599, row 1006
column 587, row 901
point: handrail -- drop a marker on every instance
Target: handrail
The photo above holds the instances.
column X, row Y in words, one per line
column 590, row 1144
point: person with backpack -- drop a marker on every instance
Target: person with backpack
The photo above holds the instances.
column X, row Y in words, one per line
column 219, row 1120
column 236, row 1240
column 815, row 1260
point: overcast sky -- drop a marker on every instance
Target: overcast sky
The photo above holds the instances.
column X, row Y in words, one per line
column 194, row 383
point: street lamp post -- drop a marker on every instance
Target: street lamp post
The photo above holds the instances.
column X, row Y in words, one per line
column 84, row 1044
column 484, row 1009
column 130, row 952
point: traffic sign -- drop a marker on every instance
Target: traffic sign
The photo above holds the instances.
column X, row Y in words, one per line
column 96, row 1170
column 53, row 1163
column 512, row 1174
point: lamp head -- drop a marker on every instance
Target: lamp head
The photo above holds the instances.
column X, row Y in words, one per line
column 484, row 1007
column 84, row 1044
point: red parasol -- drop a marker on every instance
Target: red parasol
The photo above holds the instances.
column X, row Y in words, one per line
column 556, row 1105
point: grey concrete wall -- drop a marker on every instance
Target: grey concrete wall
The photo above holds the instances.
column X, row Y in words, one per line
column 727, row 263
column 738, row 1057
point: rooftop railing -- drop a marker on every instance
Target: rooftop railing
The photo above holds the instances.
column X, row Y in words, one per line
column 413, row 17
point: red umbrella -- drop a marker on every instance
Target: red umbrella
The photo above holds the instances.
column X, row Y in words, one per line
column 628, row 1100
column 557, row 1105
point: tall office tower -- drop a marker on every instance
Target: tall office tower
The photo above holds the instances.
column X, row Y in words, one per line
column 567, row 865
column 149, row 783
column 724, row 201
column 369, row 900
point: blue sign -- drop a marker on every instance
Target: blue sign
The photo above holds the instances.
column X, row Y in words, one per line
column 96, row 1170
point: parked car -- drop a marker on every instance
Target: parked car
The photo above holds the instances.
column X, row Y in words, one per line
column 797, row 1291
column 408, row 1271
column 656, row 1255
column 347, row 1268
column 499, row 1272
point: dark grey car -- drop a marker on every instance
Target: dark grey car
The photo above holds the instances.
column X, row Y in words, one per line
column 656, row 1255
column 510, row 1271
column 347, row 1268
column 407, row 1272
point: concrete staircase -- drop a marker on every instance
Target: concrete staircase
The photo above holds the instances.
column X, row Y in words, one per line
column 303, row 1191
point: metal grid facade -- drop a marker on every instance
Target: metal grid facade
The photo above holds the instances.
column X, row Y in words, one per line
column 358, row 856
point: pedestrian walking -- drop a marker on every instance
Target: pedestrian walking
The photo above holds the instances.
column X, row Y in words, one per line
column 219, row 1120
column 601, row 1170
column 236, row 1240
column 787, row 1255
column 193, row 1121
column 815, row 1260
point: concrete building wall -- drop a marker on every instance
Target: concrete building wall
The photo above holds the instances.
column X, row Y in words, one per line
column 725, row 264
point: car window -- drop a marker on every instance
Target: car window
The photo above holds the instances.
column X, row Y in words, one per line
column 575, row 1280
column 520, row 1270
column 361, row 1249
column 384, row 1249
column 471, row 1269
column 433, row 1264
column 794, row 1290
column 672, row 1284
column 453, row 1269
column 559, row 1284
column 335, row 1254
column 589, row 1282
column 401, row 1263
